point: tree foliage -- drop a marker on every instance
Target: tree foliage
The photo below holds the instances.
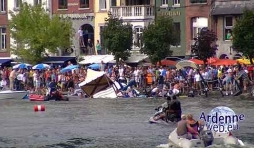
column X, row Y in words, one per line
column 158, row 37
column 243, row 34
column 205, row 46
column 35, row 33
column 118, row 37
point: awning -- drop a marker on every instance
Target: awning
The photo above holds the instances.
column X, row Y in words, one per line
column 136, row 58
column 60, row 60
column 133, row 59
column 96, row 59
column 5, row 61
column 231, row 8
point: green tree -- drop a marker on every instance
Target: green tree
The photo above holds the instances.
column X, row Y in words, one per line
column 205, row 46
column 118, row 38
column 158, row 37
column 243, row 34
column 35, row 32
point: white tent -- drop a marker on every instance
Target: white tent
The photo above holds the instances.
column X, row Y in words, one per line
column 95, row 82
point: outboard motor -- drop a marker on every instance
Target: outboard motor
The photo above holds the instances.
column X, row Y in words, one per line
column 207, row 137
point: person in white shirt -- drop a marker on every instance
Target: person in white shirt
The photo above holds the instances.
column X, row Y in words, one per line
column 81, row 38
column 136, row 76
column 3, row 84
column 197, row 82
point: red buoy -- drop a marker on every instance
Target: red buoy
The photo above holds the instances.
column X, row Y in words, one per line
column 39, row 108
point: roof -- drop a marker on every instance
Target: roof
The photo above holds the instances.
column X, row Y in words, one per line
column 231, row 7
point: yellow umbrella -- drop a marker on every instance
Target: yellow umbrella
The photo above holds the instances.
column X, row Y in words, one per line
column 245, row 61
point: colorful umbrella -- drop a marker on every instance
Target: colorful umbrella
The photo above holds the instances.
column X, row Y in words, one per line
column 167, row 63
column 224, row 62
column 41, row 66
column 22, row 66
column 245, row 61
column 69, row 68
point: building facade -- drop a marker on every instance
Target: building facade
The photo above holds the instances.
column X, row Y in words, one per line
column 223, row 17
column 176, row 10
column 4, row 35
column 197, row 17
column 138, row 13
column 189, row 18
column 101, row 10
column 14, row 6
column 81, row 13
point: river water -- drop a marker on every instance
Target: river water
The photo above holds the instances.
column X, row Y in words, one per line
column 107, row 123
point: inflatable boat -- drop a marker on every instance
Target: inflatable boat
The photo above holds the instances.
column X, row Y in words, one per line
column 35, row 97
column 207, row 138
column 9, row 94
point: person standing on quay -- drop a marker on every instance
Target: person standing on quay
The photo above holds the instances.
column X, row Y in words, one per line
column 12, row 78
column 98, row 47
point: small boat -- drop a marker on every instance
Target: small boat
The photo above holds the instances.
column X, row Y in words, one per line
column 10, row 94
column 207, row 138
column 35, row 97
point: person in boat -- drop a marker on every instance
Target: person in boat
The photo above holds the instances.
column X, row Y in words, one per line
column 52, row 86
column 175, row 108
column 193, row 126
column 165, row 107
column 182, row 128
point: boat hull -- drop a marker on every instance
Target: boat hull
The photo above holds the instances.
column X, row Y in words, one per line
column 8, row 94
column 219, row 139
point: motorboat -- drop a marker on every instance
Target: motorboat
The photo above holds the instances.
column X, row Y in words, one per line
column 207, row 138
column 11, row 94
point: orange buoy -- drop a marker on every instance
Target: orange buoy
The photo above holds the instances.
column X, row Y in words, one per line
column 39, row 108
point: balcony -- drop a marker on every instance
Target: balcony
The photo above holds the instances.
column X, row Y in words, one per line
column 133, row 12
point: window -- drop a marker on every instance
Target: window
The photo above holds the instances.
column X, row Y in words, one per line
column 17, row 3
column 137, row 36
column 2, row 5
column 113, row 2
column 176, row 2
column 62, row 4
column 103, row 4
column 228, row 25
column 197, row 23
column 84, row 3
column 177, row 28
column 198, row 1
column 37, row 2
column 164, row 2
column 3, row 40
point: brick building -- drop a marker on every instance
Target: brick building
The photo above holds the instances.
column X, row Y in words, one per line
column 224, row 14
column 81, row 12
column 4, row 35
column 197, row 17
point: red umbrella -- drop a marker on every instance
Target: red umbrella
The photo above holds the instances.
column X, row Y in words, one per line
column 224, row 62
column 167, row 63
